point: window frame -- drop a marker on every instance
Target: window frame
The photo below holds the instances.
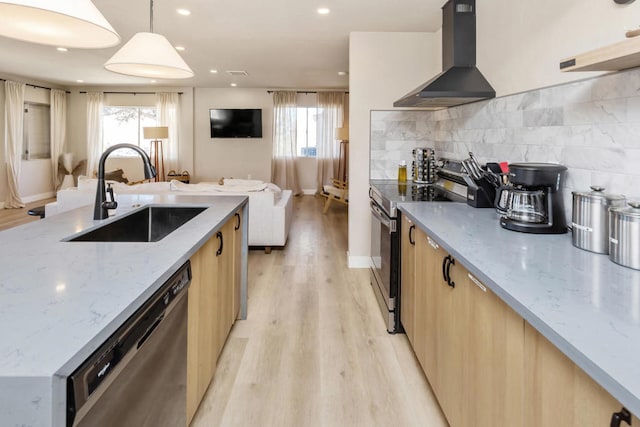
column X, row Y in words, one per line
column 300, row 150
column 26, row 135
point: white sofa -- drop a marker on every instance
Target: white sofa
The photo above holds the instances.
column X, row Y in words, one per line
column 270, row 209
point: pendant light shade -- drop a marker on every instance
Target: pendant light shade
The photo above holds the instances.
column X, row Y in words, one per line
column 67, row 23
column 149, row 55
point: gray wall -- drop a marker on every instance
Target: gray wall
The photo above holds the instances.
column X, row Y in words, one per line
column 591, row 126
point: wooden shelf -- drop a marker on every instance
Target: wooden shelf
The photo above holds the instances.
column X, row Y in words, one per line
column 618, row 56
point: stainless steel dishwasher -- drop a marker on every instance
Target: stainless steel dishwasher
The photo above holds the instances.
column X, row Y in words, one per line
column 138, row 376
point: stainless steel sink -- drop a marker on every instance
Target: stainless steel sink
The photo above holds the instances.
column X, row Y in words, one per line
column 150, row 224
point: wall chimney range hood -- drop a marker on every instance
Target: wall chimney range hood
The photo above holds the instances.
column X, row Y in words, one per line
column 460, row 82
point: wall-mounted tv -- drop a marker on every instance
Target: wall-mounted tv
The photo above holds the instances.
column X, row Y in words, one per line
column 236, row 123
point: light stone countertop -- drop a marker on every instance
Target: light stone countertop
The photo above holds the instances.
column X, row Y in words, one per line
column 59, row 300
column 586, row 305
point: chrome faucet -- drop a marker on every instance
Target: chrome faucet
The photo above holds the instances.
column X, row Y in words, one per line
column 100, row 210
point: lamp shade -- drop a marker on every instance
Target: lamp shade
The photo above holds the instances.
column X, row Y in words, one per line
column 149, row 55
column 66, row 23
column 156, row 132
column 342, row 134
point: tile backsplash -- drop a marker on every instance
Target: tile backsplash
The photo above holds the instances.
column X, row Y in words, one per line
column 591, row 126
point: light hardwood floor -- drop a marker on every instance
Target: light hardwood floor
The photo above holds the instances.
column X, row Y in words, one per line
column 314, row 350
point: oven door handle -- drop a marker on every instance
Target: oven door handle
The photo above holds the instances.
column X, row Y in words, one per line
column 384, row 220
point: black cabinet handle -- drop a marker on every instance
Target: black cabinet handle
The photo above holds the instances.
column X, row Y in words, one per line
column 219, row 236
column 411, row 238
column 450, row 282
column 618, row 417
column 237, row 227
column 444, row 268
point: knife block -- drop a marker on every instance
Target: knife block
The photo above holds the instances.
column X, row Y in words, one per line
column 482, row 196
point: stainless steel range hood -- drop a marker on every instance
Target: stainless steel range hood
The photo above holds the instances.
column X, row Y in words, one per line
column 460, row 82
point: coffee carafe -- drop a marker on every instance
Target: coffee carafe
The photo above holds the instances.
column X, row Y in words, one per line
column 532, row 201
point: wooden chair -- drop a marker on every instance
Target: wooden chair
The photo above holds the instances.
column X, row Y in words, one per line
column 339, row 192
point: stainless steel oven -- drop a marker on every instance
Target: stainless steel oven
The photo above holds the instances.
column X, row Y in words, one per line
column 384, row 196
column 384, row 263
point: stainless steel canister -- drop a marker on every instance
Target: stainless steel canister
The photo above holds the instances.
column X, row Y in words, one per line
column 590, row 222
column 624, row 235
column 424, row 165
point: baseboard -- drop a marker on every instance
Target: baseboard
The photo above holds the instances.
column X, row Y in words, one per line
column 37, row 197
column 309, row 192
column 359, row 261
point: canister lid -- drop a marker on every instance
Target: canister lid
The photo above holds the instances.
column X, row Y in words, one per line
column 630, row 211
column 597, row 195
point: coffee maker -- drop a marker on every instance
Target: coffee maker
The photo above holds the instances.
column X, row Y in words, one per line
column 532, row 201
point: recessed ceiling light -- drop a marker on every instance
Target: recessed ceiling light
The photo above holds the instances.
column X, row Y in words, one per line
column 234, row 84
column 180, row 48
column 342, row 73
column 323, row 10
column 79, row 81
column 153, row 81
column 213, row 71
column 62, row 49
column 183, row 12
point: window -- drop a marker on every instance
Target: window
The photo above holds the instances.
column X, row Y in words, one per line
column 124, row 125
column 36, row 132
column 307, row 122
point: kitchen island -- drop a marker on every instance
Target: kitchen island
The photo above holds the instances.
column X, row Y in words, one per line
column 59, row 300
column 582, row 303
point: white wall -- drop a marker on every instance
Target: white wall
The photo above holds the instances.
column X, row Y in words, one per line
column 382, row 68
column 521, row 43
column 233, row 157
column 240, row 158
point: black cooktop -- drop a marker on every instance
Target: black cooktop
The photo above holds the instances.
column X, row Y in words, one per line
column 396, row 192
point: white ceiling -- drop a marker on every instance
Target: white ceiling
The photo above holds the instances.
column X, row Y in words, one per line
column 279, row 43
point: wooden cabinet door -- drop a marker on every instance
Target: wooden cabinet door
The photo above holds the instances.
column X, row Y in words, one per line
column 201, row 332
column 428, row 284
column 237, row 265
column 408, row 278
column 469, row 342
column 224, row 259
column 493, row 366
column 558, row 392
column 451, row 342
column 211, row 308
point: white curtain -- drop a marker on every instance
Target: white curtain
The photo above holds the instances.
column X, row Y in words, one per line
column 330, row 109
column 58, row 111
column 13, row 130
column 283, row 163
column 168, row 114
column 95, row 104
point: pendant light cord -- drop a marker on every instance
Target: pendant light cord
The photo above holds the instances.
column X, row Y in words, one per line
column 151, row 15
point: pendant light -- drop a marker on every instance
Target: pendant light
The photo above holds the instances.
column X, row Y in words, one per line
column 149, row 55
column 67, row 23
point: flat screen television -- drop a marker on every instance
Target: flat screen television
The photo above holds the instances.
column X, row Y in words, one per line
column 236, row 123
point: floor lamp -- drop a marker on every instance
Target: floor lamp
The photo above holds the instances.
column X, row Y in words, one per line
column 157, row 134
column 342, row 135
